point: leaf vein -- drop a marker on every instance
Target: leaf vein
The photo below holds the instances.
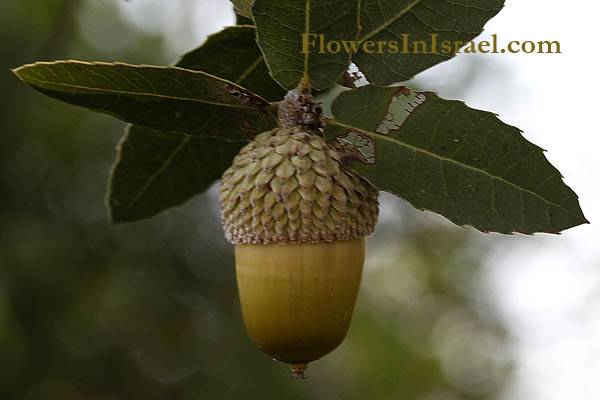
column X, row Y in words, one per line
column 377, row 136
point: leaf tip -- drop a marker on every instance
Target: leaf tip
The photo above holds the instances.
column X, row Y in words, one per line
column 17, row 71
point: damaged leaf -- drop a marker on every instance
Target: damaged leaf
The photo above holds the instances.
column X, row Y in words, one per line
column 465, row 164
column 164, row 98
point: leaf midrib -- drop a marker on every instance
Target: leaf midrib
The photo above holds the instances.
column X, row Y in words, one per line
column 51, row 85
column 125, row 92
column 463, row 165
column 162, row 168
column 307, row 31
column 249, row 70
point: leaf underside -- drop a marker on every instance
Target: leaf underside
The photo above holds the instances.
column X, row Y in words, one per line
column 462, row 163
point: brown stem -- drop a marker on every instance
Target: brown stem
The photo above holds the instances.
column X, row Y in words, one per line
column 299, row 110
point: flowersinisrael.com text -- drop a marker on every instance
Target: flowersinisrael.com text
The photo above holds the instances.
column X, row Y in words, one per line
column 313, row 43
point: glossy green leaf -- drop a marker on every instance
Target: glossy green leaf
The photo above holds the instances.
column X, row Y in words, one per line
column 280, row 26
column 156, row 170
column 445, row 157
column 233, row 54
column 164, row 98
column 408, row 21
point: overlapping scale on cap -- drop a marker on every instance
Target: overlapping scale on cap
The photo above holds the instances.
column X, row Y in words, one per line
column 287, row 186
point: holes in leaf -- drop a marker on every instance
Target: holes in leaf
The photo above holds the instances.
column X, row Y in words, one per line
column 245, row 97
column 402, row 104
column 354, row 77
column 356, row 146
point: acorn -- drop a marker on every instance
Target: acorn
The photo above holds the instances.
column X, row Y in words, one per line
column 298, row 221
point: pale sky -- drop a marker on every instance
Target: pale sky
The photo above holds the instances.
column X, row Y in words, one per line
column 547, row 287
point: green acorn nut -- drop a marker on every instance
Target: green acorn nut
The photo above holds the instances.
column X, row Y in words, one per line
column 298, row 220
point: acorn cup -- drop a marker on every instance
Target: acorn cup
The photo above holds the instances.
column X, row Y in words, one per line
column 298, row 221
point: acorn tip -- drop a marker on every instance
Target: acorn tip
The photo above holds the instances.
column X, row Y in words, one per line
column 298, row 371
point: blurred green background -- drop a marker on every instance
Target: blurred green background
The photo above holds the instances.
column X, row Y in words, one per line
column 150, row 310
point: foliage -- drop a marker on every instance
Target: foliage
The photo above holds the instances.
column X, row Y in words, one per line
column 149, row 310
column 465, row 164
column 439, row 155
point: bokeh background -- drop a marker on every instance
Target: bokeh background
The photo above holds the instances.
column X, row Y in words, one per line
column 150, row 310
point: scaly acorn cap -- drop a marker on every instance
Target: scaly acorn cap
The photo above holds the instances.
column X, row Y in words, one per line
column 288, row 186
